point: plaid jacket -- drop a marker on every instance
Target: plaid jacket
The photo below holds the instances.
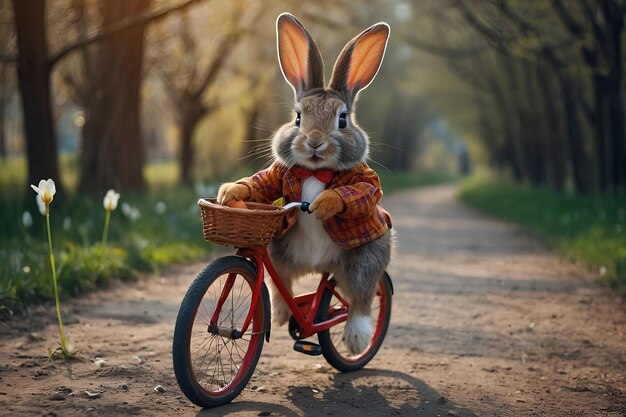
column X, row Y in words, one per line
column 361, row 221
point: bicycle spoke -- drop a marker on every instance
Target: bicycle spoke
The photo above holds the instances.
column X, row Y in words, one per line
column 210, row 366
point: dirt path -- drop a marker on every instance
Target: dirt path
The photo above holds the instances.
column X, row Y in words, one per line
column 486, row 322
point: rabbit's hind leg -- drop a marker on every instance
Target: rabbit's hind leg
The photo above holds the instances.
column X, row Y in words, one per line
column 359, row 288
column 358, row 276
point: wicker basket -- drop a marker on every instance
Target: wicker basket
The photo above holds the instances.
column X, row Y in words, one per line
column 239, row 227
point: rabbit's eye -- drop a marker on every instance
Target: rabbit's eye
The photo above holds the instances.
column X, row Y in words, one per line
column 298, row 119
column 343, row 120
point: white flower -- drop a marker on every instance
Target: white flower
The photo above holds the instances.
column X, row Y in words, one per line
column 27, row 219
column 126, row 209
column 40, row 205
column 160, row 207
column 67, row 224
column 45, row 191
column 131, row 212
column 135, row 214
column 110, row 200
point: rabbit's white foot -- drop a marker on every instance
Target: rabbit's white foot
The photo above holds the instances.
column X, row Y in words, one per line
column 280, row 311
column 358, row 333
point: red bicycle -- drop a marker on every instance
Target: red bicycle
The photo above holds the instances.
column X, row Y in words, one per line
column 224, row 318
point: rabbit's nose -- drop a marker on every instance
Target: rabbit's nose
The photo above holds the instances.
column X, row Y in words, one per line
column 316, row 145
column 315, row 140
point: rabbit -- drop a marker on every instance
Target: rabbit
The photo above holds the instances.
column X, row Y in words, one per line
column 319, row 156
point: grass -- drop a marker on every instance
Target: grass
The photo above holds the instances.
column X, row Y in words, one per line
column 590, row 229
column 166, row 231
column 397, row 181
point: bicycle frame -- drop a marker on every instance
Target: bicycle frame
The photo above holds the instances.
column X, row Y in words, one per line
column 303, row 307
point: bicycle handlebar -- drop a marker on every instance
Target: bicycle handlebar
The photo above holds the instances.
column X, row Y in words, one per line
column 303, row 205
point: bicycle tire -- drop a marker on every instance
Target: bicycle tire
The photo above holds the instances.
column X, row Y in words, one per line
column 189, row 353
column 331, row 340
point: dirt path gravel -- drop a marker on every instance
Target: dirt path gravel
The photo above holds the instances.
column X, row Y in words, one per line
column 486, row 322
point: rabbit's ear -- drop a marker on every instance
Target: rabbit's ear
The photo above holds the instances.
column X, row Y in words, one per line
column 360, row 60
column 298, row 55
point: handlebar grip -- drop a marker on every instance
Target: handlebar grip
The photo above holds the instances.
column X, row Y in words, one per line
column 304, row 206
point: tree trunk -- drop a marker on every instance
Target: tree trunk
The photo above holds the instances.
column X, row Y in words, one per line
column 599, row 128
column 3, row 142
column 577, row 154
column 112, row 151
column 497, row 157
column 616, row 113
column 552, row 140
column 33, row 74
column 189, row 115
column 510, row 147
column 616, row 104
column 3, row 102
column 186, row 150
column 515, row 118
column 534, row 141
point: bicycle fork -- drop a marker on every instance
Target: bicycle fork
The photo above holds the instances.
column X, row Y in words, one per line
column 232, row 332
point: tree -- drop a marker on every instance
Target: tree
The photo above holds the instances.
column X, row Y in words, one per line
column 187, row 84
column 112, row 147
column 600, row 26
column 540, row 51
column 35, row 65
column 6, row 76
column 33, row 74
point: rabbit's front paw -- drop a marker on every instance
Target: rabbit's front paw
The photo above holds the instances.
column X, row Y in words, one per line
column 231, row 191
column 327, row 204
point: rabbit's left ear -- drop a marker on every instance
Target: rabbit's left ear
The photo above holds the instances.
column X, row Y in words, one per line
column 299, row 57
column 360, row 60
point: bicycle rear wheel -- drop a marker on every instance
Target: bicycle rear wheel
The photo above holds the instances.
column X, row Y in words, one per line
column 332, row 340
column 213, row 368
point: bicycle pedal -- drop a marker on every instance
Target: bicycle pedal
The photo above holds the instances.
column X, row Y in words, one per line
column 308, row 348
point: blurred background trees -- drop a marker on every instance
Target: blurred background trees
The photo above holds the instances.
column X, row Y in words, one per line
column 532, row 89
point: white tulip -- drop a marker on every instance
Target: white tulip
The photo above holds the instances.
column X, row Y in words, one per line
column 160, row 207
column 127, row 209
column 67, row 224
column 40, row 205
column 110, row 200
column 135, row 214
column 45, row 191
column 27, row 219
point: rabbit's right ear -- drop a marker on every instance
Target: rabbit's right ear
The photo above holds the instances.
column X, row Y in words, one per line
column 298, row 55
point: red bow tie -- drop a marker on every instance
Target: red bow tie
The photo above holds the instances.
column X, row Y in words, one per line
column 324, row 175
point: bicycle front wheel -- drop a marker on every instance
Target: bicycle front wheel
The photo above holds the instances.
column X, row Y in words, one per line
column 332, row 340
column 211, row 366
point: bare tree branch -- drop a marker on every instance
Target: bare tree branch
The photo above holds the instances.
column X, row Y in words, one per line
column 128, row 22
column 566, row 18
column 444, row 52
column 224, row 50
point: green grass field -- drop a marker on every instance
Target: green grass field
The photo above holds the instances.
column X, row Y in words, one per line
column 590, row 229
column 147, row 232
column 166, row 230
column 396, row 181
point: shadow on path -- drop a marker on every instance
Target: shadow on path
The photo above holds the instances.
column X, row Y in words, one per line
column 369, row 392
